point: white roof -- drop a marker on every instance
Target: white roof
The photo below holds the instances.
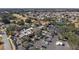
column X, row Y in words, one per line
column 26, row 32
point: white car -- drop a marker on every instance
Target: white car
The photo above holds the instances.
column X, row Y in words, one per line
column 59, row 43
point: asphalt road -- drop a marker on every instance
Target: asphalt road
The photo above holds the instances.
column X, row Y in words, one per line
column 53, row 45
column 7, row 45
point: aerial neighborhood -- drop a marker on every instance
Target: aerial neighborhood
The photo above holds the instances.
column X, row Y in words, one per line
column 39, row 29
